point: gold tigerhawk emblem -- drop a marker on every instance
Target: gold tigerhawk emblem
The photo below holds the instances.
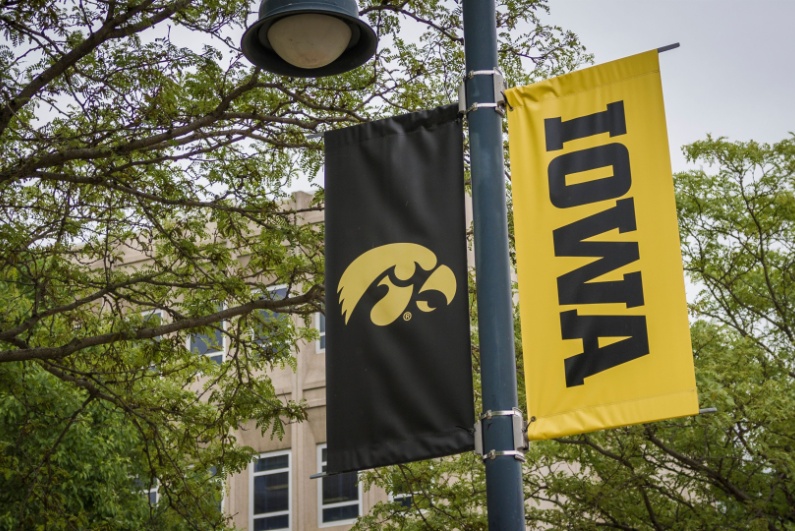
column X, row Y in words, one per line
column 404, row 258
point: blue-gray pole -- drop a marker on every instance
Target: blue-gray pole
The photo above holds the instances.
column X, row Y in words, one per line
column 505, row 500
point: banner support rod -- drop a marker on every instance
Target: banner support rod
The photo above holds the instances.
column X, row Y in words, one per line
column 668, row 47
column 504, row 489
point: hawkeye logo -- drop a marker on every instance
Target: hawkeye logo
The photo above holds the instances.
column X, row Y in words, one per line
column 394, row 264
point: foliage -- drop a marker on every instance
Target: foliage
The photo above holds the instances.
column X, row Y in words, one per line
column 733, row 469
column 446, row 493
column 145, row 168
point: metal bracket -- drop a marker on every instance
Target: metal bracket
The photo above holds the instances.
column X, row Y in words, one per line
column 519, row 435
column 499, row 90
column 493, row 454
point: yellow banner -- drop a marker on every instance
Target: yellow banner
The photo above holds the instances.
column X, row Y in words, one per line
column 605, row 332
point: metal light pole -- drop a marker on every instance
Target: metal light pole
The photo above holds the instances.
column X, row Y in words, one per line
column 495, row 316
column 277, row 29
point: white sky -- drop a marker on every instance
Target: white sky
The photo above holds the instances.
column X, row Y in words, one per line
column 732, row 76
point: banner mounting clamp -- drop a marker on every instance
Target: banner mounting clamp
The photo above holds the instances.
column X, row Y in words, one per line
column 519, row 435
column 499, row 92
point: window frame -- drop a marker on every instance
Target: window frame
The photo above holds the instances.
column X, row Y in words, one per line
column 411, row 499
column 320, row 506
column 224, row 341
column 215, row 476
column 252, row 517
column 146, row 315
column 149, row 490
column 256, row 337
column 320, row 343
column 404, row 499
column 155, row 490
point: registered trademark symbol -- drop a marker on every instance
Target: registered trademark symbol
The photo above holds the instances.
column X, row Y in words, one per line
column 407, row 316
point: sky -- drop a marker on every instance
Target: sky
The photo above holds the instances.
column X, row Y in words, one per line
column 733, row 74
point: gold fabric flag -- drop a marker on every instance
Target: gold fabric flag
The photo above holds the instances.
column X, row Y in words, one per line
column 605, row 332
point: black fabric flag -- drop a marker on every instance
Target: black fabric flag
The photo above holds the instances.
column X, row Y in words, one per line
column 398, row 366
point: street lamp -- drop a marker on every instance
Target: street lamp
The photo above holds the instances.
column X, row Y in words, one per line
column 268, row 44
column 309, row 38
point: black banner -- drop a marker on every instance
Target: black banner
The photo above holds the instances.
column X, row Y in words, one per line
column 398, row 366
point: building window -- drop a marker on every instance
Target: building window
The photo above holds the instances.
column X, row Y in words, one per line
column 153, row 495
column 320, row 321
column 270, row 492
column 218, row 479
column 404, row 499
column 149, row 489
column 210, row 344
column 411, row 490
column 267, row 333
column 339, row 495
column 152, row 319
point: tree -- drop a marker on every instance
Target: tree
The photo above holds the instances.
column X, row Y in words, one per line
column 733, row 469
column 144, row 177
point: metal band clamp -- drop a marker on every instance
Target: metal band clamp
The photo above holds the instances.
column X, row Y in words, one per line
column 493, row 454
column 519, row 435
column 499, row 88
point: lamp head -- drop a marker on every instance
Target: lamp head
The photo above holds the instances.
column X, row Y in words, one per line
column 309, row 38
